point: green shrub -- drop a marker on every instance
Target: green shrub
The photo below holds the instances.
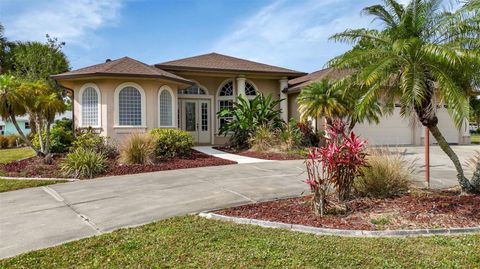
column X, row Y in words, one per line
column 387, row 175
column 291, row 136
column 61, row 136
column 3, row 142
column 172, row 142
column 264, row 138
column 88, row 139
column 138, row 149
column 84, row 163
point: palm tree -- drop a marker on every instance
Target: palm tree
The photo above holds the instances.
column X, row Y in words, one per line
column 322, row 99
column 11, row 104
column 421, row 56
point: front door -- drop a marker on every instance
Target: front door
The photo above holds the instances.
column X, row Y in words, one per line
column 195, row 119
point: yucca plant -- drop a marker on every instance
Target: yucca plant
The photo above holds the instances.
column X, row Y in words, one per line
column 139, row 148
column 420, row 56
column 84, row 163
column 248, row 115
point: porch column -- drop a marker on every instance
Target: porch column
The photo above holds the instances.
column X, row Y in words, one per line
column 283, row 95
column 241, row 85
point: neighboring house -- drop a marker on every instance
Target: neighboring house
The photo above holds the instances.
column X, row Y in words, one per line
column 7, row 127
column 392, row 129
column 123, row 96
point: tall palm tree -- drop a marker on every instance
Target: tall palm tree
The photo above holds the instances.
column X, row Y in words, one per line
column 322, row 99
column 11, row 104
column 422, row 55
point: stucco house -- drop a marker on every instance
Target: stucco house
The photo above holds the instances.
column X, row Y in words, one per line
column 7, row 127
column 122, row 96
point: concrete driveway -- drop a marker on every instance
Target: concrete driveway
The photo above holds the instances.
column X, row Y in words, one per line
column 46, row 216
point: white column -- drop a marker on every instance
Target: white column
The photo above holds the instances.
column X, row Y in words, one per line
column 284, row 96
column 241, row 85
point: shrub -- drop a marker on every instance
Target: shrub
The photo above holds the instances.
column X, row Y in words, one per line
column 172, row 142
column 138, row 149
column 84, row 163
column 291, row 136
column 264, row 139
column 474, row 161
column 309, row 137
column 13, row 141
column 88, row 139
column 387, row 175
column 61, row 136
column 3, row 142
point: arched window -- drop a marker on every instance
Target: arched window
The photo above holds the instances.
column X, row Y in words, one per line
column 130, row 105
column 194, row 89
column 90, row 105
column 225, row 100
column 250, row 90
column 165, row 104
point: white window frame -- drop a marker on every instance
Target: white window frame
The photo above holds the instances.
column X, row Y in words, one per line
column 250, row 97
column 99, row 105
column 117, row 105
column 200, row 86
column 224, row 98
column 173, row 107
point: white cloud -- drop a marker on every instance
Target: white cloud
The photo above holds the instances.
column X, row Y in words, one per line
column 72, row 21
column 294, row 34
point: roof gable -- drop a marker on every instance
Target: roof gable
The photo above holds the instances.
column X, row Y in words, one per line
column 220, row 62
column 328, row 73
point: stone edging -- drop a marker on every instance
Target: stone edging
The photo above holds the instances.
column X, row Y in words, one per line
column 38, row 178
column 340, row 232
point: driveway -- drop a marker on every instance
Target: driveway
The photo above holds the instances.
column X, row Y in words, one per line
column 46, row 216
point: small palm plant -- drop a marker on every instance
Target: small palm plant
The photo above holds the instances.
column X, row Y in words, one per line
column 422, row 55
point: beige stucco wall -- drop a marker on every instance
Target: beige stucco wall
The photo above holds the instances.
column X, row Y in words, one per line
column 293, row 106
column 107, row 88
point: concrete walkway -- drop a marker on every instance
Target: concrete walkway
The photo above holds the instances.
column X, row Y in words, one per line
column 46, row 216
column 228, row 156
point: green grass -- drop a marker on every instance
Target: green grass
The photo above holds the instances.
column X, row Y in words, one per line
column 193, row 242
column 475, row 138
column 9, row 155
column 11, row 184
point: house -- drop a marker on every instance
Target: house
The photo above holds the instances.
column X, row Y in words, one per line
column 7, row 127
column 119, row 97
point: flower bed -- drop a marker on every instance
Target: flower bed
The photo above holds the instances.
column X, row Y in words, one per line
column 279, row 156
column 34, row 167
column 441, row 209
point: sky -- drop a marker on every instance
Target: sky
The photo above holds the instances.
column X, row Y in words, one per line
column 288, row 33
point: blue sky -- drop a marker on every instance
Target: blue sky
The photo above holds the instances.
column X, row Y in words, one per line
column 288, row 33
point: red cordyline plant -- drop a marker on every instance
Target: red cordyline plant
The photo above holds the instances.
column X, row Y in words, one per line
column 337, row 163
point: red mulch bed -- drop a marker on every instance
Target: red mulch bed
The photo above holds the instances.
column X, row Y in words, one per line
column 442, row 209
column 277, row 156
column 34, row 167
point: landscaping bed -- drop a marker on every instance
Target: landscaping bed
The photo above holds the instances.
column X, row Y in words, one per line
column 34, row 167
column 295, row 155
column 439, row 209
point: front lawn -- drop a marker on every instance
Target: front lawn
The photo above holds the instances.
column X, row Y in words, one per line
column 475, row 138
column 9, row 155
column 12, row 184
column 193, row 242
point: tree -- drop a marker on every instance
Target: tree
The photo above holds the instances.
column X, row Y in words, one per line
column 421, row 56
column 5, row 61
column 475, row 110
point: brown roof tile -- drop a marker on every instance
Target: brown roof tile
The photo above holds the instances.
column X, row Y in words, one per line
column 220, row 62
column 300, row 82
column 122, row 67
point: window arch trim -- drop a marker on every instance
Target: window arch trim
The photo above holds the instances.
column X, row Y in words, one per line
column 99, row 102
column 117, row 105
column 173, row 107
column 224, row 98
column 254, row 87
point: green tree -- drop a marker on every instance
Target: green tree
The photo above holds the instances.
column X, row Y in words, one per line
column 475, row 110
column 421, row 56
column 5, row 62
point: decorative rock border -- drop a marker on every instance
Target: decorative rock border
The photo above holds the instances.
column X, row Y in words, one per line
column 340, row 232
column 38, row 178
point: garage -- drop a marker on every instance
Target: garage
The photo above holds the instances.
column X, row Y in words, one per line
column 391, row 130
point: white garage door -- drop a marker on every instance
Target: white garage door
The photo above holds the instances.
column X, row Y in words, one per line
column 391, row 130
column 446, row 126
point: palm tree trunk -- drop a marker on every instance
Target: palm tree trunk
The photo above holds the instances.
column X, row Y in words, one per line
column 21, row 134
column 465, row 184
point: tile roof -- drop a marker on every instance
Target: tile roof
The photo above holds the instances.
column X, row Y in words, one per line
column 300, row 82
column 219, row 62
column 122, row 67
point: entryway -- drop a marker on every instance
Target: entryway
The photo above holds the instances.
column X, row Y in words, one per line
column 194, row 117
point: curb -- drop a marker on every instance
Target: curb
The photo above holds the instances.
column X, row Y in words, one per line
column 38, row 178
column 340, row 232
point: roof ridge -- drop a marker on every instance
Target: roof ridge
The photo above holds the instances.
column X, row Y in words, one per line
column 115, row 63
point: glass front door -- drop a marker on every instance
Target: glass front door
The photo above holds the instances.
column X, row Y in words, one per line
column 195, row 119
